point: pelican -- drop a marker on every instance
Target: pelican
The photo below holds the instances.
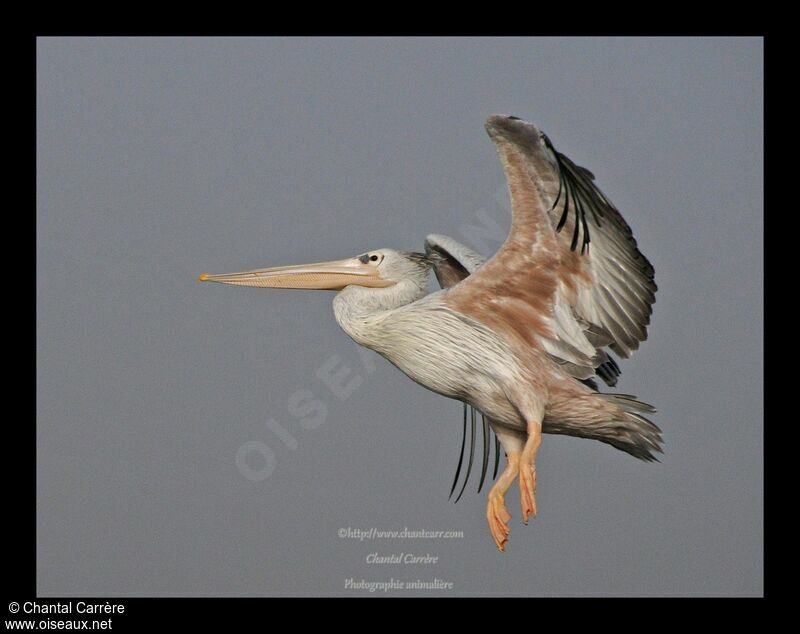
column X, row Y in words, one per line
column 521, row 337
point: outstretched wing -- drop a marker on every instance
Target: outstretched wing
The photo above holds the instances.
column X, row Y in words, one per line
column 569, row 279
column 452, row 262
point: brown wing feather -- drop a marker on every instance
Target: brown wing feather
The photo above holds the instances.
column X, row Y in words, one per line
column 545, row 284
column 504, row 293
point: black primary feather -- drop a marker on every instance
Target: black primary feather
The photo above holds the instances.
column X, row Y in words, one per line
column 471, row 452
column 486, row 442
column 572, row 183
column 608, row 371
column 461, row 453
column 496, row 455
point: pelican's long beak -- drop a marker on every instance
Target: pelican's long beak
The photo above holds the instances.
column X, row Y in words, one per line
column 323, row 275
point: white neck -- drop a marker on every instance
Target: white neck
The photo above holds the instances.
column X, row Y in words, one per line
column 360, row 310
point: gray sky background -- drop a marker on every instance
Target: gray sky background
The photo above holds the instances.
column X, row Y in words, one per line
column 159, row 159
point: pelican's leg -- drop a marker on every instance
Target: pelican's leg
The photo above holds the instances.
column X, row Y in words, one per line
column 496, row 512
column 527, row 471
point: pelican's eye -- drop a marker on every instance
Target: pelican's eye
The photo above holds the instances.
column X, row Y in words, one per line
column 374, row 258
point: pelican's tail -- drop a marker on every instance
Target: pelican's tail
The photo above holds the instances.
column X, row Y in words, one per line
column 632, row 432
column 615, row 419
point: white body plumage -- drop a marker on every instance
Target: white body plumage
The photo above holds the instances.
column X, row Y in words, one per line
column 441, row 350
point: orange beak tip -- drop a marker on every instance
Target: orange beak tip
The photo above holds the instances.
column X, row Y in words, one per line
column 202, row 277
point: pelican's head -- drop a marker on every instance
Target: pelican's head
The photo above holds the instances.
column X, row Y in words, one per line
column 374, row 269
